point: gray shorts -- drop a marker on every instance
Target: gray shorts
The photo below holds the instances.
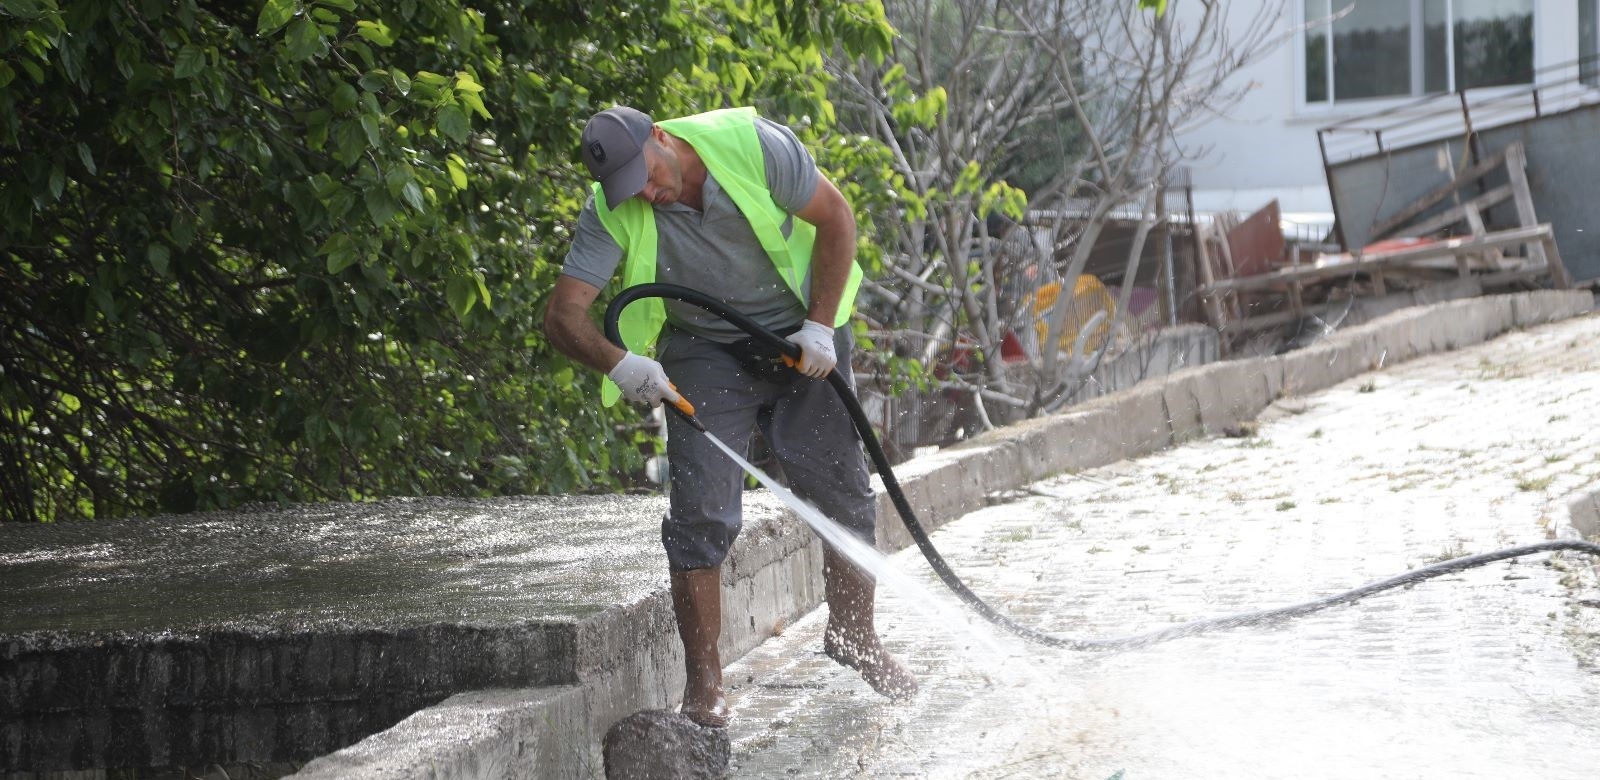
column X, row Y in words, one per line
column 805, row 426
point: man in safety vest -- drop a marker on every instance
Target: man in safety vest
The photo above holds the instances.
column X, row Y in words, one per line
column 732, row 205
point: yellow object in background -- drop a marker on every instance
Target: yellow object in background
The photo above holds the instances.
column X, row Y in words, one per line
column 1089, row 297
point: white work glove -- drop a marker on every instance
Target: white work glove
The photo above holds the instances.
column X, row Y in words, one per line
column 642, row 380
column 816, row 349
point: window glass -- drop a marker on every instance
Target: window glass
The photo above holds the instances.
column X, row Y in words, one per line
column 1494, row 42
column 1589, row 41
column 1378, row 50
column 1316, row 51
column 1435, row 45
column 1372, row 51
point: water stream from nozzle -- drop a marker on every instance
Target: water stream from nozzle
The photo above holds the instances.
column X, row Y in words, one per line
column 928, row 601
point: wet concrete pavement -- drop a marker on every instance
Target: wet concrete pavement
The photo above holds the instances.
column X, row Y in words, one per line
column 1489, row 673
column 281, row 634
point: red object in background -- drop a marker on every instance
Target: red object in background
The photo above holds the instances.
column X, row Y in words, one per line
column 960, row 359
column 1256, row 244
column 1011, row 349
column 1375, row 248
column 1394, row 244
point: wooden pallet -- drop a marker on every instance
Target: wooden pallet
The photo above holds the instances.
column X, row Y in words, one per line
column 1478, row 250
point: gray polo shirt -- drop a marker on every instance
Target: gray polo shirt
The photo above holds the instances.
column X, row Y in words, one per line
column 714, row 251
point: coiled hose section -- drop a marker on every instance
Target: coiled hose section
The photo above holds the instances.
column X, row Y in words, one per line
column 869, row 439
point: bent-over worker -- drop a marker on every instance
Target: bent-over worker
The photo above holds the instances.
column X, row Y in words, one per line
column 730, row 204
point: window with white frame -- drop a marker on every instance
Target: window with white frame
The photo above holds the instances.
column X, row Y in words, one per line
column 1360, row 49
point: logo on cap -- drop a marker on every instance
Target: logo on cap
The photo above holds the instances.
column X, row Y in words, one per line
column 598, row 152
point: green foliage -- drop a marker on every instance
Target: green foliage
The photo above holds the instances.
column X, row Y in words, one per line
column 298, row 249
column 908, row 108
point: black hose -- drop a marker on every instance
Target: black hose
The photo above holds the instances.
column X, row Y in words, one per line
column 869, row 439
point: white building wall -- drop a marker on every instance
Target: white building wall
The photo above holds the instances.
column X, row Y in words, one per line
column 1265, row 146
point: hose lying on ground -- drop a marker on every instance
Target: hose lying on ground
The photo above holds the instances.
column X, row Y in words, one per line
column 920, row 535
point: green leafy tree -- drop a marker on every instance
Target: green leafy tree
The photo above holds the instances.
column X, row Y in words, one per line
column 298, row 249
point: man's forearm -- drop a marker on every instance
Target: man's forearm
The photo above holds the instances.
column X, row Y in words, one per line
column 583, row 343
column 571, row 332
column 832, row 252
column 831, row 256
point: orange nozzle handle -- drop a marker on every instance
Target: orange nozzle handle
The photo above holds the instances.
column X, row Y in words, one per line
column 686, row 409
column 683, row 405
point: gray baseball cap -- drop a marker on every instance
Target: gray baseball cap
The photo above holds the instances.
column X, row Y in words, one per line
column 613, row 148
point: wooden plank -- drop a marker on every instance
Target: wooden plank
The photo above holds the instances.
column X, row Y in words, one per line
column 1209, row 296
column 1560, row 277
column 1496, row 240
column 1448, row 248
column 1474, row 224
column 1382, row 228
column 1475, row 262
column 1517, row 171
column 1234, row 308
column 1456, row 214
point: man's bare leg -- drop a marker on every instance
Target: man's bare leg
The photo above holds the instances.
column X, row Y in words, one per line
column 697, row 604
column 851, row 638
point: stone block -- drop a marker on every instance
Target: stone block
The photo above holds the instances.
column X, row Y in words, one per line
column 1329, row 362
column 661, row 745
column 1038, row 446
column 1134, row 422
column 1541, row 306
column 1585, row 514
column 1181, row 394
column 1406, row 335
column 1216, row 398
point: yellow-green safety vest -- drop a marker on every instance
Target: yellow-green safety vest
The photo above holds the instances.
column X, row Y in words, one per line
column 727, row 143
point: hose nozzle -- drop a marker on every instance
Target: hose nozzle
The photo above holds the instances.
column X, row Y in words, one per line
column 686, row 411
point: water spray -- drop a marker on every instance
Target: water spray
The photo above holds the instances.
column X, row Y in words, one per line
column 919, row 535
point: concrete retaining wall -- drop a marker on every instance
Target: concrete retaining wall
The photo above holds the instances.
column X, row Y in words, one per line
column 629, row 659
column 176, row 701
column 774, row 573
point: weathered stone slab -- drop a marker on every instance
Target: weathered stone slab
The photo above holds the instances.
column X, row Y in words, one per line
column 661, row 745
column 1135, row 421
column 1584, row 512
column 1533, row 308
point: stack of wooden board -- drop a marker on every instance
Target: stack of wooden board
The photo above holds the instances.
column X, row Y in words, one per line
column 1424, row 243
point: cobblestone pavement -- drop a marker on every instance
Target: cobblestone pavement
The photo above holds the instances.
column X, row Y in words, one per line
column 1490, row 673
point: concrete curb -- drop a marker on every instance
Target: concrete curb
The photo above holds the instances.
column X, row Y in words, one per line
column 1585, row 516
column 774, row 574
